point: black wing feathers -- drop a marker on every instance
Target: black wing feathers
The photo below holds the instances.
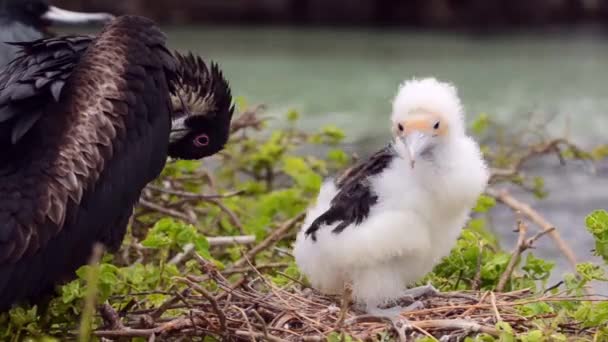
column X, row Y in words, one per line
column 355, row 197
column 36, row 76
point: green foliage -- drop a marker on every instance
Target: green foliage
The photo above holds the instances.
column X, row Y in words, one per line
column 174, row 236
column 597, row 224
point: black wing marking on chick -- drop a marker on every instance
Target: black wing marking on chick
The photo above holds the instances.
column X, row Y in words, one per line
column 355, row 197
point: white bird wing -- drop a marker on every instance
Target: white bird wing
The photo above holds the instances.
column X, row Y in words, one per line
column 355, row 196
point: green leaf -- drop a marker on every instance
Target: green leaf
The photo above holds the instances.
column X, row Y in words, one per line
column 484, row 203
column 597, row 224
column 293, row 115
column 480, row 124
column 302, row 174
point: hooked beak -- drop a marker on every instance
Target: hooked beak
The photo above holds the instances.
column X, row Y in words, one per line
column 178, row 129
column 61, row 16
column 415, row 143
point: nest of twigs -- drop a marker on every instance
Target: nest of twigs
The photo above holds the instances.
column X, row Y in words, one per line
column 255, row 309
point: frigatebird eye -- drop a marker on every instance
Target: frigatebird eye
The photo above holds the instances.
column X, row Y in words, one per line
column 436, row 126
column 201, row 140
column 400, row 126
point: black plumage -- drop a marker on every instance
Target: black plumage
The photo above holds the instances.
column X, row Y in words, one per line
column 202, row 104
column 29, row 20
column 354, row 198
column 85, row 124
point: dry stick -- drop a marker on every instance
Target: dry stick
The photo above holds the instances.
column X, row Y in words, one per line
column 249, row 327
column 262, row 322
column 518, row 206
column 455, row 324
column 495, row 307
column 346, row 299
column 110, row 317
column 271, row 338
column 220, row 314
column 166, row 211
column 233, row 217
column 520, row 247
column 544, row 148
column 269, row 241
column 213, row 241
column 176, row 324
column 472, row 308
column 169, row 303
column 192, row 195
column 245, row 269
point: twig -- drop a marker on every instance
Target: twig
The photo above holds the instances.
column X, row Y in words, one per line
column 346, row 299
column 520, row 247
column 518, row 206
column 544, row 148
column 220, row 314
column 269, row 241
column 269, row 337
column 166, row 211
column 455, row 324
column 494, row 307
column 231, row 215
column 259, row 267
column 110, row 317
column 262, row 322
column 213, row 242
column 167, row 304
column 192, row 195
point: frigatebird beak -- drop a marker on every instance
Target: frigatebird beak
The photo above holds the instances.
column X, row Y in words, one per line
column 61, row 16
column 415, row 143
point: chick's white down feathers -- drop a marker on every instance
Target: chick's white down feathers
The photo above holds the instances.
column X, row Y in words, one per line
column 418, row 215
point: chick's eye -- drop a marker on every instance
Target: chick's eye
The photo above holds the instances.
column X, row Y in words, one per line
column 201, row 140
column 400, row 127
column 436, row 126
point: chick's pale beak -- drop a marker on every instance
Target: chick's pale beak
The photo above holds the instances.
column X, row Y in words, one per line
column 61, row 16
column 415, row 143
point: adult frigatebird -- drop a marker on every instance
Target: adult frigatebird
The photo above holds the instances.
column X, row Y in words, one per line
column 85, row 123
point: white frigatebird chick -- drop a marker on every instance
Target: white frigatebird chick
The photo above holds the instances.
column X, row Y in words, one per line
column 388, row 220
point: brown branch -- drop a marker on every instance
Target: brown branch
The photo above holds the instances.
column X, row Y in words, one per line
column 518, row 206
column 235, row 219
column 254, row 335
column 495, row 307
column 346, row 299
column 245, row 269
column 533, row 151
column 110, row 317
column 169, row 303
column 520, row 247
column 192, row 195
column 270, row 240
column 216, row 308
column 170, row 212
column 248, row 119
column 455, row 324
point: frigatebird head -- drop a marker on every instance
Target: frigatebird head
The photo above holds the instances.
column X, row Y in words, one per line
column 202, row 109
